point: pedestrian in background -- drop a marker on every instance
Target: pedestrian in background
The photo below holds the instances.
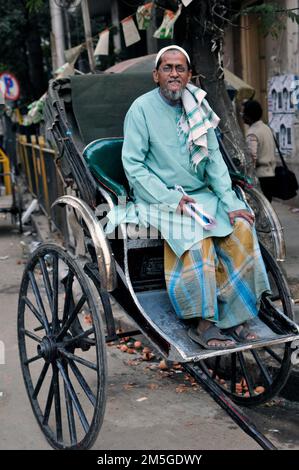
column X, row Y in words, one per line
column 261, row 146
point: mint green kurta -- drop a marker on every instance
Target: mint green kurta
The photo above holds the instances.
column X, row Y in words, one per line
column 156, row 159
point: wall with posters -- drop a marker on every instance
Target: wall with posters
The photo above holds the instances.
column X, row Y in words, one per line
column 283, row 112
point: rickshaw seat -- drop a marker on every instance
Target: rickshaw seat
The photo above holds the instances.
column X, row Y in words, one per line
column 103, row 157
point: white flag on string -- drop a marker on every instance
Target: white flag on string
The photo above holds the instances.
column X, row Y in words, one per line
column 131, row 33
column 186, row 2
column 64, row 71
column 144, row 15
column 166, row 29
column 71, row 55
column 102, row 47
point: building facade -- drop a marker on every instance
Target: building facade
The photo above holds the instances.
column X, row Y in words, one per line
column 271, row 66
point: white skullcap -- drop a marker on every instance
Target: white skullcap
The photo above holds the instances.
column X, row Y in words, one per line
column 167, row 48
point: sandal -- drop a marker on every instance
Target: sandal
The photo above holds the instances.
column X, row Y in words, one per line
column 242, row 335
column 211, row 333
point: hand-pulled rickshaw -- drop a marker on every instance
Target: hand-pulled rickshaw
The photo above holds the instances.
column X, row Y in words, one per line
column 63, row 357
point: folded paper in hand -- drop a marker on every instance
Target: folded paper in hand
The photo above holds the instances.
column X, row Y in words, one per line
column 194, row 210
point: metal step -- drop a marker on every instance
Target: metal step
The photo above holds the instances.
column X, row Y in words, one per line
column 157, row 306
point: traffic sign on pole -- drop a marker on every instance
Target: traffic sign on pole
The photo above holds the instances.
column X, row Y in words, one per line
column 9, row 86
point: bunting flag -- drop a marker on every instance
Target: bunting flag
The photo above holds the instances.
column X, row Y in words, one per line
column 165, row 31
column 71, row 55
column 102, row 47
column 64, row 71
column 144, row 15
column 131, row 34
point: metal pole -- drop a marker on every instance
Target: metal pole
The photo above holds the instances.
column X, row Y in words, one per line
column 67, row 25
column 58, row 33
column 115, row 22
column 88, row 36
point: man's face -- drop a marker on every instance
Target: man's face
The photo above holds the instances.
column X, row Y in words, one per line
column 172, row 74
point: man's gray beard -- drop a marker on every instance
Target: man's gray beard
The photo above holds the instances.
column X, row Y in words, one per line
column 172, row 95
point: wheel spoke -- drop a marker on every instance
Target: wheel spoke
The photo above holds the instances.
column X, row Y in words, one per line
column 55, row 294
column 70, row 412
column 32, row 336
column 32, row 359
column 49, row 402
column 68, row 295
column 57, row 403
column 267, row 377
column 46, row 281
column 40, row 380
column 273, row 354
column 86, row 363
column 39, row 301
column 35, row 313
column 233, row 372
column 215, row 370
column 246, row 375
column 82, row 335
column 73, row 396
column 39, row 328
column 72, row 317
column 83, row 383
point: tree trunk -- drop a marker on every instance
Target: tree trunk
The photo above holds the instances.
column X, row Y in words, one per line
column 195, row 33
column 35, row 59
column 206, row 64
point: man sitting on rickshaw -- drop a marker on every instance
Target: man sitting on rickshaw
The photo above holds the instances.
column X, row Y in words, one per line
column 214, row 274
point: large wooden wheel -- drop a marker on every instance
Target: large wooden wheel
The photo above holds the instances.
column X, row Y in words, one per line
column 254, row 376
column 62, row 348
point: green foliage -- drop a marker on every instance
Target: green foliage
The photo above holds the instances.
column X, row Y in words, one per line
column 34, row 5
column 16, row 23
column 272, row 17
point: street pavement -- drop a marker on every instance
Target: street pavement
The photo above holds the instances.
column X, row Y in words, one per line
column 146, row 407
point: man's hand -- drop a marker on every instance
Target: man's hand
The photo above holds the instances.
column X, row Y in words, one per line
column 241, row 213
column 181, row 207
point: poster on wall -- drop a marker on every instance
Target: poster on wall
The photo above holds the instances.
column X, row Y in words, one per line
column 283, row 110
column 283, row 94
column 283, row 128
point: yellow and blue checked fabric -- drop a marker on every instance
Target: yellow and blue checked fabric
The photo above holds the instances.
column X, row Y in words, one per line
column 220, row 279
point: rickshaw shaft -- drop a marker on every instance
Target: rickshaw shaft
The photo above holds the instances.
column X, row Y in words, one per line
column 228, row 405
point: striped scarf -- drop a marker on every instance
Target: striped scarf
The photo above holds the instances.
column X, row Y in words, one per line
column 195, row 121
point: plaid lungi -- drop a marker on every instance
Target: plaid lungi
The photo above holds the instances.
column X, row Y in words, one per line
column 219, row 279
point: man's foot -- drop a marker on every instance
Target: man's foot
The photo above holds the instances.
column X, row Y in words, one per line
column 242, row 333
column 210, row 337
